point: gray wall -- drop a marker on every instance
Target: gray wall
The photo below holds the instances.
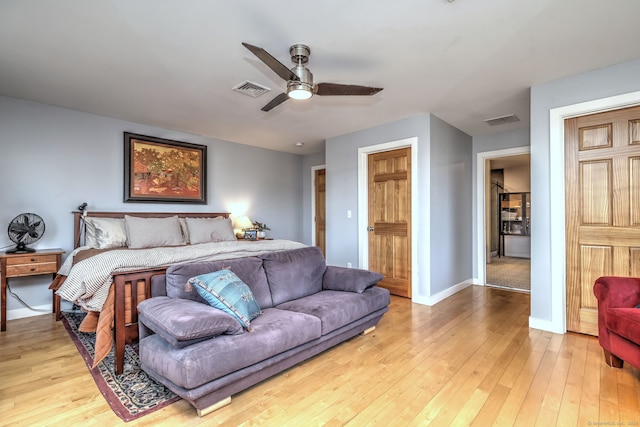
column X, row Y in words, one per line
column 52, row 159
column 601, row 83
column 451, row 212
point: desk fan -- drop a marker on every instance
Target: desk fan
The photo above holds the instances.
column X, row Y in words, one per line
column 25, row 229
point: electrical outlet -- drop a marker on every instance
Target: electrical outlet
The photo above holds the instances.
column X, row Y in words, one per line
column 348, row 265
column 349, row 214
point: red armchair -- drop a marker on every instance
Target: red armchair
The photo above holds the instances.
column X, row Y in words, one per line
column 619, row 319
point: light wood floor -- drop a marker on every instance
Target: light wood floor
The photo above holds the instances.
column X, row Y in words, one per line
column 469, row 360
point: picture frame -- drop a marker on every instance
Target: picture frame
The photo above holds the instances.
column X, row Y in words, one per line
column 158, row 170
column 251, row 234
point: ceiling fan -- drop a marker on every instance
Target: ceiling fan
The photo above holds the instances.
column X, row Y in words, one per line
column 300, row 80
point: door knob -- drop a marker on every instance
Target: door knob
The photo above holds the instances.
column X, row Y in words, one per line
column 370, row 228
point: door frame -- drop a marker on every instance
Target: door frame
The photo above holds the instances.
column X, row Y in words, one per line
column 557, row 116
column 481, row 203
column 313, row 202
column 363, row 206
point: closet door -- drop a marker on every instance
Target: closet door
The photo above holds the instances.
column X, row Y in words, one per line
column 390, row 219
column 602, row 166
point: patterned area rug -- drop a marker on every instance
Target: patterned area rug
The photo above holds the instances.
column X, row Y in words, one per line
column 130, row 395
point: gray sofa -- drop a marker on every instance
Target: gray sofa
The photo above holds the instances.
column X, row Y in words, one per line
column 204, row 355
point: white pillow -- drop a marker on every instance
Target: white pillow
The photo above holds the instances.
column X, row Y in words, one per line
column 203, row 230
column 153, row 232
column 104, row 233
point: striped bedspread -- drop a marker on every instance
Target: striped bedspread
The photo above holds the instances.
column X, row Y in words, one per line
column 87, row 283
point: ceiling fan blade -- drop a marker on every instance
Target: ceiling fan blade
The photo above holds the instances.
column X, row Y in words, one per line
column 275, row 102
column 332, row 89
column 278, row 67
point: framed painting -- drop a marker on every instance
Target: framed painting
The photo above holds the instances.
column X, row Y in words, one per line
column 160, row 170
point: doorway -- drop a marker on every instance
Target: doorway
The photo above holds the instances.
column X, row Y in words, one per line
column 487, row 213
column 508, row 261
column 389, row 209
column 318, row 207
column 416, row 220
column 602, row 165
column 557, row 240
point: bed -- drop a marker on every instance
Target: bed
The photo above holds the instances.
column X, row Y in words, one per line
column 118, row 256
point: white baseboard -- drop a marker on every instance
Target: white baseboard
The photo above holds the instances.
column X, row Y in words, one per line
column 19, row 313
column 434, row 299
column 545, row 325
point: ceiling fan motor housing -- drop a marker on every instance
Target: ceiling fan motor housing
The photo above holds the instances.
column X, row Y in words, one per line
column 302, row 88
column 303, row 74
column 300, row 53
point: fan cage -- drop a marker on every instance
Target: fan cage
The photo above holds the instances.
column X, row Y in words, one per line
column 25, row 229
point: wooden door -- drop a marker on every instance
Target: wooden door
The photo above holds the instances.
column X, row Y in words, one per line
column 320, row 213
column 390, row 219
column 602, row 167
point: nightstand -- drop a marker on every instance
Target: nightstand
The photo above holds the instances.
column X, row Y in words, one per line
column 42, row 261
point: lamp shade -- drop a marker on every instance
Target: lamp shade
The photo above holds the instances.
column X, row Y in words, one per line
column 243, row 222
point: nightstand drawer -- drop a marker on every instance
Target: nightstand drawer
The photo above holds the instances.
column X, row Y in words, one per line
column 31, row 259
column 31, row 269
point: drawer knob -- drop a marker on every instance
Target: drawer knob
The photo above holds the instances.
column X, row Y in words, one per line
column 33, row 269
column 33, row 259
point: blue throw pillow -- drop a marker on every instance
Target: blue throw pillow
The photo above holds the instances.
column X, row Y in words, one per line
column 224, row 290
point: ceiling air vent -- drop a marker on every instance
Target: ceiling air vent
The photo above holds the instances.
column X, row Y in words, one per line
column 252, row 89
column 502, row 120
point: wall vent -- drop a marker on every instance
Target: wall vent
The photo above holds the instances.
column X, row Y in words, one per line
column 502, row 120
column 252, row 89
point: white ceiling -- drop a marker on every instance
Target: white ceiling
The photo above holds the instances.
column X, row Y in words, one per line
column 173, row 63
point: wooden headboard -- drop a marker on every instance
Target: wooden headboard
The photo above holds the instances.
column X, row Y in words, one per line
column 78, row 224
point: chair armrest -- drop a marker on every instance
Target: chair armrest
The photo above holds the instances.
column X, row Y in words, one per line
column 617, row 292
column 349, row 279
column 613, row 292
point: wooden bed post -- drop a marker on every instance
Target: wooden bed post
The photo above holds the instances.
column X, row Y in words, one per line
column 130, row 289
column 77, row 231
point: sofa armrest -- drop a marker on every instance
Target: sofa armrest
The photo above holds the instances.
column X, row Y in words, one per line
column 349, row 279
column 183, row 322
column 617, row 292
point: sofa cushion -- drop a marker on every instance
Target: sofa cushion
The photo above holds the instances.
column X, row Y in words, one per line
column 184, row 322
column 249, row 270
column 274, row 332
column 224, row 290
column 294, row 273
column 337, row 308
column 349, row 279
column 624, row 322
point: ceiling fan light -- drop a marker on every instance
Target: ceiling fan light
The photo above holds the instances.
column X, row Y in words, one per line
column 299, row 91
